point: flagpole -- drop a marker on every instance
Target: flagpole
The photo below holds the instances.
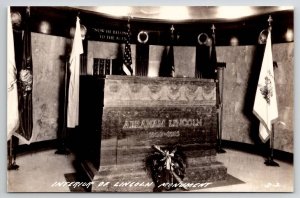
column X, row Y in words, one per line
column 62, row 150
column 270, row 161
column 220, row 88
column 220, row 85
column 12, row 156
column 172, row 48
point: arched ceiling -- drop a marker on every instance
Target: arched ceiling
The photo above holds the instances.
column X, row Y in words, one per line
column 242, row 22
column 184, row 13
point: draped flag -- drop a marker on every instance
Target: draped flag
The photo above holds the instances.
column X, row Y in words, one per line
column 170, row 61
column 170, row 55
column 206, row 57
column 202, row 61
column 73, row 97
column 25, row 89
column 265, row 104
column 167, row 67
column 213, row 58
column 12, row 91
column 127, row 60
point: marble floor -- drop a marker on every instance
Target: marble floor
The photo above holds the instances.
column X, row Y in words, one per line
column 40, row 170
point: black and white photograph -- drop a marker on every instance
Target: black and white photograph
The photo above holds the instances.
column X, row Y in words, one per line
column 150, row 99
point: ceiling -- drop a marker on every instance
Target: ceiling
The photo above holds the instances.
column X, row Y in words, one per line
column 184, row 13
column 242, row 22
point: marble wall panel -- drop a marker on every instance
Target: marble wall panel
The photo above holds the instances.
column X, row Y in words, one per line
column 48, row 56
column 106, row 50
column 240, row 79
column 241, row 75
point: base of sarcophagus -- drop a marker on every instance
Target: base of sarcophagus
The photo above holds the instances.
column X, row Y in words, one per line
column 131, row 178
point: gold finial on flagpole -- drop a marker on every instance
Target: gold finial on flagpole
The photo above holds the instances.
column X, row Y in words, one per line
column 28, row 10
column 172, row 29
column 270, row 20
column 213, row 27
column 172, row 33
column 130, row 17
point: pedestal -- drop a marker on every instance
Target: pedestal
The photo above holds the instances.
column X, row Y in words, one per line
column 121, row 117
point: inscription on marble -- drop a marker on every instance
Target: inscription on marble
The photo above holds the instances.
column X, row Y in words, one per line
column 144, row 124
column 186, row 122
column 162, row 123
column 110, row 34
column 160, row 134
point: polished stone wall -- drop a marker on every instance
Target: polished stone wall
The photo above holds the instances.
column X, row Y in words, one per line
column 184, row 57
column 284, row 56
column 241, row 76
column 106, row 50
column 48, row 56
column 240, row 81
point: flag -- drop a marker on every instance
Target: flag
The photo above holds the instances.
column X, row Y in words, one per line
column 167, row 66
column 127, row 60
column 12, row 91
column 265, row 104
column 73, row 96
column 25, row 89
column 142, row 59
column 213, row 57
column 170, row 61
column 202, row 61
column 206, row 58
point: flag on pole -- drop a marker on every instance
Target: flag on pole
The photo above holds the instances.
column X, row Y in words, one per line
column 73, row 97
column 167, row 66
column 170, row 55
column 170, row 61
column 213, row 57
column 12, row 91
column 24, row 133
column 265, row 104
column 127, row 60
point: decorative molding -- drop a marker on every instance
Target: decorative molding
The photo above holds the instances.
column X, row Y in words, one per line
column 202, row 42
column 167, row 92
column 143, row 40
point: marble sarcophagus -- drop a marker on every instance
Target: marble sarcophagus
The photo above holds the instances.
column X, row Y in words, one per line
column 122, row 117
